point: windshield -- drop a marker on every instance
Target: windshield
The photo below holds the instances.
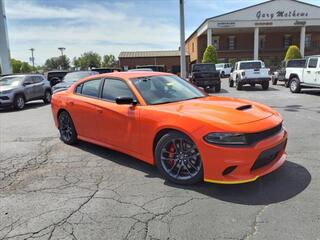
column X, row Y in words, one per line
column 11, row 81
column 204, row 68
column 220, row 65
column 166, row 89
column 250, row 65
column 75, row 76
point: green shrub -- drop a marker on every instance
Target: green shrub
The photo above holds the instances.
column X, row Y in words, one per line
column 210, row 55
column 293, row 52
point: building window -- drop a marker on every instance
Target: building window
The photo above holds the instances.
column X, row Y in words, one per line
column 232, row 42
column 308, row 41
column 287, row 41
column 192, row 47
column 215, row 42
column 262, row 40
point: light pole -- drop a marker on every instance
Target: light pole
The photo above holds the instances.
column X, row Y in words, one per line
column 182, row 45
column 4, row 42
column 61, row 49
column 32, row 58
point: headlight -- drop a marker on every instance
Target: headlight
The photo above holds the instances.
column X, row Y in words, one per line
column 6, row 91
column 226, row 138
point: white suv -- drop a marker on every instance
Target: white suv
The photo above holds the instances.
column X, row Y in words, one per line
column 308, row 76
column 224, row 69
column 250, row 72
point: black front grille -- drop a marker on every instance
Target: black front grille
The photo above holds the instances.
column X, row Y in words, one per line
column 256, row 137
column 4, row 98
column 268, row 156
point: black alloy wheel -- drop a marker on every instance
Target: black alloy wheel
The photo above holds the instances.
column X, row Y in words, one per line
column 178, row 159
column 67, row 130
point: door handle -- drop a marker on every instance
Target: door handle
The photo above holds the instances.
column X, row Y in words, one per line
column 308, row 71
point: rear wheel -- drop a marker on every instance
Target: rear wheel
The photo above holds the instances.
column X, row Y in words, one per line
column 294, row 85
column 47, row 97
column 238, row 85
column 265, row 85
column 178, row 159
column 217, row 87
column 67, row 130
column 19, row 102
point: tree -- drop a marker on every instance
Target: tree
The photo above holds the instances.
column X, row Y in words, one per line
column 293, row 52
column 25, row 68
column 16, row 65
column 87, row 60
column 62, row 62
column 109, row 61
column 210, row 55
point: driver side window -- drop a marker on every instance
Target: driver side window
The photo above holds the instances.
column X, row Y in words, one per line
column 113, row 88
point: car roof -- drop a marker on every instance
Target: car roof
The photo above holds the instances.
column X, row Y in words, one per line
column 128, row 75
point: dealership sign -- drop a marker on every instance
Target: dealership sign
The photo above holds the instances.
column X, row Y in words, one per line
column 260, row 15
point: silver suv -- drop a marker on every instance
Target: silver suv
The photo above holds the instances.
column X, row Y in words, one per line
column 16, row 90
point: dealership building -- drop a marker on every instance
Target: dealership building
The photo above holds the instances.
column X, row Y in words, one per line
column 263, row 31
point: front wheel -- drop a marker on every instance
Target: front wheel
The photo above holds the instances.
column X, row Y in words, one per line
column 178, row 159
column 19, row 102
column 67, row 130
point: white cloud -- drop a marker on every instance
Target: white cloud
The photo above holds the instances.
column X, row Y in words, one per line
column 82, row 28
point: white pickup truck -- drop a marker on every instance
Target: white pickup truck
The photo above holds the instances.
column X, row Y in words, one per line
column 305, row 77
column 250, row 72
column 224, row 69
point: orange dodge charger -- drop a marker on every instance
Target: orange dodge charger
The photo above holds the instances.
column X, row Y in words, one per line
column 166, row 121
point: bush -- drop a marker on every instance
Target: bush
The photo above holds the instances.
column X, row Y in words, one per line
column 293, row 52
column 210, row 55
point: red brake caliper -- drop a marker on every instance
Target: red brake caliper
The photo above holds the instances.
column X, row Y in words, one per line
column 171, row 155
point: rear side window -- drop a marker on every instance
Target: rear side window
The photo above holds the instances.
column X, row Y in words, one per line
column 250, row 65
column 37, row 79
column 91, row 88
column 114, row 88
column 313, row 62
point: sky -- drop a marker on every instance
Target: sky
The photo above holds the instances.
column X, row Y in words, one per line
column 105, row 26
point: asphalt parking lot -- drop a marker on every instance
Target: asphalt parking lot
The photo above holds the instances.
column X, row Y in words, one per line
column 50, row 190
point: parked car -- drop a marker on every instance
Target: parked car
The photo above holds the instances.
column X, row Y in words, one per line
column 224, row 69
column 70, row 78
column 155, row 68
column 140, row 70
column 106, row 70
column 55, row 76
column 166, row 121
column 286, row 66
column 16, row 90
column 307, row 76
column 206, row 75
column 250, row 72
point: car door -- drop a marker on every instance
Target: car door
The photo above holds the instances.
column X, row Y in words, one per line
column 119, row 124
column 84, row 109
column 28, row 87
column 38, row 86
column 310, row 73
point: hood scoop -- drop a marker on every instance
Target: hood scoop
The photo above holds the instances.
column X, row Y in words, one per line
column 244, row 107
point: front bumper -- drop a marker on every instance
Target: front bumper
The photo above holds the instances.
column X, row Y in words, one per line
column 254, row 80
column 249, row 162
column 6, row 101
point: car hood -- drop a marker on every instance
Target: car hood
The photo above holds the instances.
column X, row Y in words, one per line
column 220, row 110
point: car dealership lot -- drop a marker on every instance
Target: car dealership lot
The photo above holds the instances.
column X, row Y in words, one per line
column 52, row 190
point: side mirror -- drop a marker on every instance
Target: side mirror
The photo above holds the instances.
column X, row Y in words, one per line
column 126, row 100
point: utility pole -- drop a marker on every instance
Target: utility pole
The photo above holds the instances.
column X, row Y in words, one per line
column 4, row 42
column 32, row 58
column 182, row 45
column 61, row 49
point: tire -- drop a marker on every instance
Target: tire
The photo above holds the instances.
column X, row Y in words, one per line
column 265, row 85
column 286, row 84
column 238, row 85
column 231, row 83
column 217, row 87
column 252, row 84
column 294, row 85
column 178, row 159
column 19, row 102
column 68, row 133
column 274, row 81
column 47, row 97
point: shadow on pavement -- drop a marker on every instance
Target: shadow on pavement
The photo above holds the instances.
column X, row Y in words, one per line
column 257, row 88
column 28, row 106
column 285, row 183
